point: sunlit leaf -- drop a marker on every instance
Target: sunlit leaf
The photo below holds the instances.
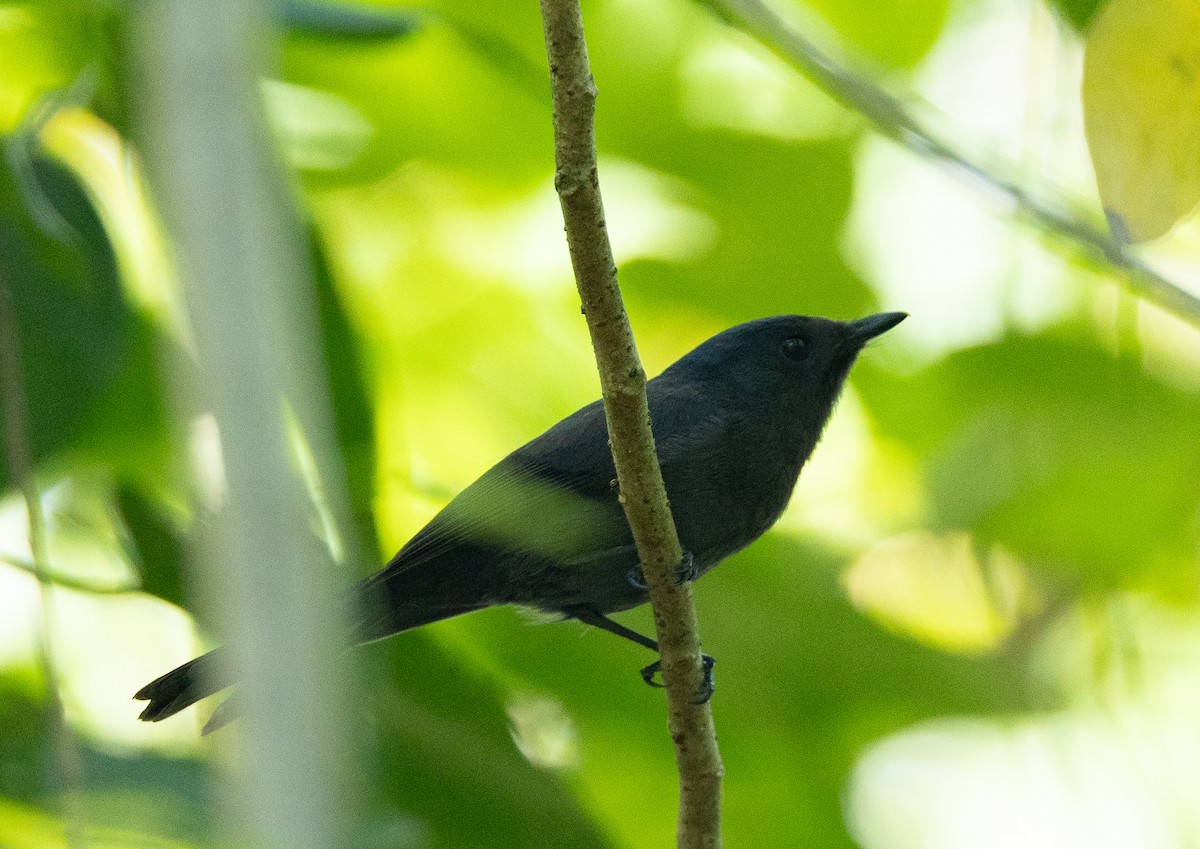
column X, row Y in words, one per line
column 896, row 32
column 315, row 129
column 763, row 192
column 1141, row 98
column 938, row 590
column 393, row 87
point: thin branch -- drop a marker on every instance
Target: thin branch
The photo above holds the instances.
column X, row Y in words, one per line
column 890, row 117
column 20, row 471
column 71, row 582
column 623, row 383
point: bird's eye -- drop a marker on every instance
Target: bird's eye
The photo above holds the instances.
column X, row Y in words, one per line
column 794, row 348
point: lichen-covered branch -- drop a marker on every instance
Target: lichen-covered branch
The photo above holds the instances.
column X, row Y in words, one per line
column 893, row 119
column 623, row 383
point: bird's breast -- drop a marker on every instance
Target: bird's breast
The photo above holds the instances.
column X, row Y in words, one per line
column 732, row 500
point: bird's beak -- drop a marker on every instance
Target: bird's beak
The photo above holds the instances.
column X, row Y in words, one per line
column 866, row 329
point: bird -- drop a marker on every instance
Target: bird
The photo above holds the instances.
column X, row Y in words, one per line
column 734, row 421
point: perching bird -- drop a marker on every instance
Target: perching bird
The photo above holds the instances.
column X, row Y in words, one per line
column 734, row 421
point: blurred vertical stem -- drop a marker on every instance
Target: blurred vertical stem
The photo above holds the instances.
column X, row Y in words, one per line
column 20, row 471
column 623, row 382
column 248, row 299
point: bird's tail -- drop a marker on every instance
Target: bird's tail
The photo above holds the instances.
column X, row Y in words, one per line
column 184, row 686
column 389, row 602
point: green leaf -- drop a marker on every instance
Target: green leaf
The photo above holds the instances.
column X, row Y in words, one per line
column 25, row 749
column 158, row 546
column 75, row 326
column 448, row 764
column 1054, row 448
column 1078, row 13
column 91, row 369
column 352, row 407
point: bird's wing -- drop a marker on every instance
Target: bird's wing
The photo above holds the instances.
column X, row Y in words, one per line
column 688, row 420
column 546, row 494
column 556, row 496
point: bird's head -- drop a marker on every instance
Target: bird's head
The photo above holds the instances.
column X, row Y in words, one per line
column 790, row 362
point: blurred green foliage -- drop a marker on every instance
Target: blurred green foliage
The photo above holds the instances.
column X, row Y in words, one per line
column 89, row 359
column 423, row 157
column 1079, row 12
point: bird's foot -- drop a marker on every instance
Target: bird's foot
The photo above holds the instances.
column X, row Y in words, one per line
column 685, row 571
column 707, row 686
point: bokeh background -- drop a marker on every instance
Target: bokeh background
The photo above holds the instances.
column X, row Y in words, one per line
column 976, row 625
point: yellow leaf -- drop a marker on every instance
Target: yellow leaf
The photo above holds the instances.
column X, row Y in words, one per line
column 940, row 590
column 1141, row 102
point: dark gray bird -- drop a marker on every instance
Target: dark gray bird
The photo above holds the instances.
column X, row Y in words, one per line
column 734, row 421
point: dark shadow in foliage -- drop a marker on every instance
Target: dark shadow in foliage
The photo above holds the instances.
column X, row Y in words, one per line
column 825, row 680
column 353, row 412
column 446, row 759
column 1078, row 13
column 172, row 798
column 75, row 325
column 158, row 545
column 28, row 772
column 93, row 391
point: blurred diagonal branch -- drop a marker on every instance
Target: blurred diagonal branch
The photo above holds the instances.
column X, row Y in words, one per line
column 20, row 468
column 71, row 582
column 360, row 23
column 623, row 382
column 1045, row 205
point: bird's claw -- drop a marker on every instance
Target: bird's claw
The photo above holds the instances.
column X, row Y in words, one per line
column 707, row 686
column 685, row 571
